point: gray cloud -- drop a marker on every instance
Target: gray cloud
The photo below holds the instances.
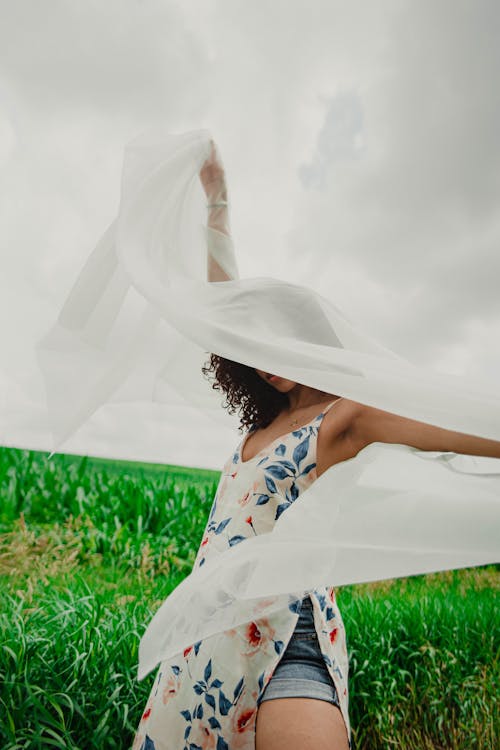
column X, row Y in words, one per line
column 360, row 142
column 417, row 211
column 114, row 58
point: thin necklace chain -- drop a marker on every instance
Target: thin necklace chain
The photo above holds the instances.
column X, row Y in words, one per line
column 296, row 421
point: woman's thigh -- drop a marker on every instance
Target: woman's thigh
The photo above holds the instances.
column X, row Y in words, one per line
column 300, row 724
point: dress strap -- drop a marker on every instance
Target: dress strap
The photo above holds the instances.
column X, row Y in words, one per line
column 332, row 403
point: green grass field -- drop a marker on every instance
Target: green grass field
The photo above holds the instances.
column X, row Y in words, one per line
column 89, row 548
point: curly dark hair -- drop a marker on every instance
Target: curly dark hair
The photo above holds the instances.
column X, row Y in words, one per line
column 258, row 402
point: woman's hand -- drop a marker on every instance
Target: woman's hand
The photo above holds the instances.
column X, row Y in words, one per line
column 213, row 177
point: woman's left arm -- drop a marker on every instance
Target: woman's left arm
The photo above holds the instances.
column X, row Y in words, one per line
column 370, row 425
column 213, row 180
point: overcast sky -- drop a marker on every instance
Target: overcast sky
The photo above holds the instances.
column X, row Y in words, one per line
column 364, row 136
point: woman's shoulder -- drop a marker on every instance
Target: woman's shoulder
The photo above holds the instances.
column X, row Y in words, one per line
column 341, row 416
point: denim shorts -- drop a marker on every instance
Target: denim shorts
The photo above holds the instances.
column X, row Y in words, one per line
column 301, row 671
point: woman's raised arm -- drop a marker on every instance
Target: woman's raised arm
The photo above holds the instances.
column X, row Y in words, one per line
column 213, row 179
column 370, row 425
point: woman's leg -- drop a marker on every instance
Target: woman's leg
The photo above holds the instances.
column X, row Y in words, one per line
column 300, row 724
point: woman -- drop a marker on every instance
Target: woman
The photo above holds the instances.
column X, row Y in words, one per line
column 361, row 499
column 280, row 681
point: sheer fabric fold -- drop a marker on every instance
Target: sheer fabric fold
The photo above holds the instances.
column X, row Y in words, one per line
column 141, row 320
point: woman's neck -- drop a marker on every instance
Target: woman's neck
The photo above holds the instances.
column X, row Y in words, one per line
column 302, row 397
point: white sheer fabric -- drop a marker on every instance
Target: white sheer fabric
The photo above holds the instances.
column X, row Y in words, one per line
column 139, row 323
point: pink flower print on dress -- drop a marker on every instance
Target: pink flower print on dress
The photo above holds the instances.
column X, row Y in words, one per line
column 333, row 635
column 244, row 500
column 243, row 721
column 201, row 735
column 265, row 603
column 170, row 689
column 257, row 636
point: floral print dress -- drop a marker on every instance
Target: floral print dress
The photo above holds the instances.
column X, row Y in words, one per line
column 207, row 697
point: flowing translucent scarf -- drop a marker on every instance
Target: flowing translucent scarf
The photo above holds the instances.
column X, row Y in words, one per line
column 141, row 320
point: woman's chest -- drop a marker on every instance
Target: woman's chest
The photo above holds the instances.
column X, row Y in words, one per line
column 329, row 442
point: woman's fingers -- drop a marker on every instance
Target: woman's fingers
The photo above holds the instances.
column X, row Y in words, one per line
column 212, row 168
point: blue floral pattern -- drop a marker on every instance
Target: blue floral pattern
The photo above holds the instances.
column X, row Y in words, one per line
column 207, row 697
